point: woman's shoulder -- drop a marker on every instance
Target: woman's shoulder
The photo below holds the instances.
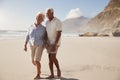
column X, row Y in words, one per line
column 43, row 27
column 32, row 25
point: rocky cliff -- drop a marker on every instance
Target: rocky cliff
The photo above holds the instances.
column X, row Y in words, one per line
column 106, row 22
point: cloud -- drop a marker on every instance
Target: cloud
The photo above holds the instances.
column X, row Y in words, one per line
column 74, row 13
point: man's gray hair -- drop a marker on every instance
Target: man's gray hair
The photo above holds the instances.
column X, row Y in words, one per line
column 51, row 10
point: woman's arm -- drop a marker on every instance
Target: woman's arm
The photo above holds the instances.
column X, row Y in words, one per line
column 26, row 42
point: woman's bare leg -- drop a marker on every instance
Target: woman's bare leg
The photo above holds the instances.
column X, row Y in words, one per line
column 38, row 66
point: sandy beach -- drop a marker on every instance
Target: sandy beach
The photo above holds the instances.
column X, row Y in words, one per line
column 81, row 58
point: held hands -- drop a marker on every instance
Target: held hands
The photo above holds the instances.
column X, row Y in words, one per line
column 53, row 47
column 46, row 46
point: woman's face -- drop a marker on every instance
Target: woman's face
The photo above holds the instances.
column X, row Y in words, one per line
column 40, row 18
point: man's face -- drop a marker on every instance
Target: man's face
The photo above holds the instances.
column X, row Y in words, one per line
column 49, row 14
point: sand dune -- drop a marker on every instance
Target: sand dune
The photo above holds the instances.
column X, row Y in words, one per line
column 81, row 58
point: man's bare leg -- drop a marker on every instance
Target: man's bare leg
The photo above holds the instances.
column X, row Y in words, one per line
column 51, row 66
column 56, row 64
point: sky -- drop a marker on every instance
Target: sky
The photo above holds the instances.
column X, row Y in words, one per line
column 20, row 14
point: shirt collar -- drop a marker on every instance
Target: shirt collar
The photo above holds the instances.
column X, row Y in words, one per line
column 38, row 25
column 52, row 19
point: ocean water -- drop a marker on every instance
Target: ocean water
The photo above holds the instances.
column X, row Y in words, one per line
column 12, row 34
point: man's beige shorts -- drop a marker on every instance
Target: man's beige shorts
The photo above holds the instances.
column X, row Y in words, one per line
column 36, row 52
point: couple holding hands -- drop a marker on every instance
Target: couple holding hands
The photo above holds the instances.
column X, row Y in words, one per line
column 40, row 37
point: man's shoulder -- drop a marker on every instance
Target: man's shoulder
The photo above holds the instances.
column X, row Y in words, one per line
column 47, row 21
column 57, row 19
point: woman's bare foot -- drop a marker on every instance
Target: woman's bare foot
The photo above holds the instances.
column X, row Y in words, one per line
column 49, row 77
column 37, row 77
column 33, row 62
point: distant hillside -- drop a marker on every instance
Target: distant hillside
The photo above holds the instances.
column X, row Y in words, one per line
column 73, row 25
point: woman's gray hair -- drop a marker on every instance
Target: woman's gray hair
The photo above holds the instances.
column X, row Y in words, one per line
column 51, row 10
column 41, row 13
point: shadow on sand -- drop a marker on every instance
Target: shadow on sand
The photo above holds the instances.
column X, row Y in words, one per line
column 63, row 78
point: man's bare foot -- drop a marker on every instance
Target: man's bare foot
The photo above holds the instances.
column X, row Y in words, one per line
column 49, row 77
column 58, row 73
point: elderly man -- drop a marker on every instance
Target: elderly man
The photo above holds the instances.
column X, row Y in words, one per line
column 36, row 37
column 54, row 29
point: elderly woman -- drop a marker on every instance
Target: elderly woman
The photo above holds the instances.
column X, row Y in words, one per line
column 36, row 37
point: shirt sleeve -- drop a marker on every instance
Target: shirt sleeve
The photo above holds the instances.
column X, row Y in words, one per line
column 59, row 25
column 27, row 36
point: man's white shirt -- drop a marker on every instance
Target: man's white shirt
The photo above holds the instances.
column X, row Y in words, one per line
column 52, row 27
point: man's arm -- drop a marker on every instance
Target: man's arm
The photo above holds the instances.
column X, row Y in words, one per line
column 56, row 40
column 58, row 37
column 59, row 30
